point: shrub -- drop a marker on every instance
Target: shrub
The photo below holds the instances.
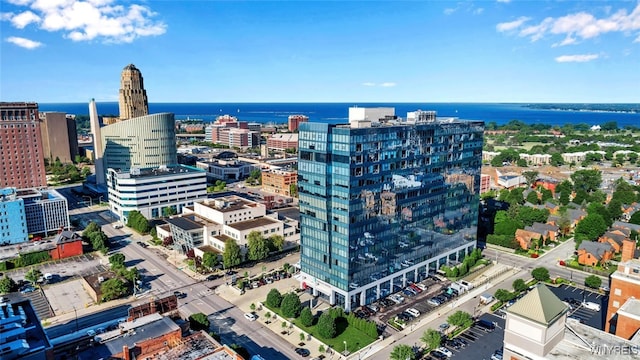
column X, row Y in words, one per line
column 592, row 281
column 540, row 274
column 519, row 285
column 306, row 317
column 326, row 326
column 291, row 305
column 274, row 298
column 199, row 321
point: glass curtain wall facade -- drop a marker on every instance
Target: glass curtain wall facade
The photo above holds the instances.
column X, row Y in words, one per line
column 384, row 205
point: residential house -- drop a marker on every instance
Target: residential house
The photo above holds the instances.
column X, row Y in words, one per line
column 615, row 238
column 525, row 238
column 548, row 232
column 553, row 208
column 592, row 253
column 627, row 226
column 629, row 210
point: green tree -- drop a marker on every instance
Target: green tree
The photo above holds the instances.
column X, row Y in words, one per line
column 276, row 242
column 112, row 289
column 402, row 352
column 138, row 222
column 592, row 281
column 600, row 209
column 257, row 246
column 528, row 215
column 546, row 195
column 556, row 159
column 530, row 177
column 231, row 256
column 291, row 305
column 209, row 260
column 168, row 211
column 635, row 218
column 460, row 318
column 519, row 285
column 7, row 285
column 90, row 229
column 116, row 260
column 532, row 197
column 587, row 180
column 33, row 275
column 504, row 295
column 431, row 338
column 199, row 321
column 615, row 208
column 591, row 227
column 306, row 317
column 326, row 326
column 540, row 274
column 274, row 298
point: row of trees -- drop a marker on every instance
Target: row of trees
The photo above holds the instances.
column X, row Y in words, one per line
column 66, row 172
column 467, row 263
column 217, row 187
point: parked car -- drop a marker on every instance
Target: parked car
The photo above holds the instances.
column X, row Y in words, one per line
column 591, row 305
column 497, row 355
column 250, row 316
column 444, row 326
column 413, row 312
column 438, row 355
column 27, row 289
column 302, row 352
column 433, row 302
column 486, row 325
column 445, row 351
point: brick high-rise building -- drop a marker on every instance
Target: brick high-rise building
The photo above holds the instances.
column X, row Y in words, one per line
column 21, row 153
column 133, row 97
column 295, row 121
column 59, row 137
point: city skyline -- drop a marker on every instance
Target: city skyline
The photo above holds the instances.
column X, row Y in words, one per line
column 472, row 51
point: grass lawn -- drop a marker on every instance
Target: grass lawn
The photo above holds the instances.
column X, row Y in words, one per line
column 355, row 338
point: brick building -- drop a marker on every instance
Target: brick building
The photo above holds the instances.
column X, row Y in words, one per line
column 21, row 152
column 279, row 181
column 623, row 311
column 295, row 121
column 68, row 244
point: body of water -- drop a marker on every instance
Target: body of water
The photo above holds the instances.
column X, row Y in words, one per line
column 338, row 112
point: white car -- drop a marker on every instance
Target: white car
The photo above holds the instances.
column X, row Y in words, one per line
column 413, row 312
column 591, row 306
column 445, row 351
column 250, row 316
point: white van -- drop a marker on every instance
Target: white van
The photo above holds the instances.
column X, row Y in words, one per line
column 591, row 305
column 48, row 276
column 413, row 312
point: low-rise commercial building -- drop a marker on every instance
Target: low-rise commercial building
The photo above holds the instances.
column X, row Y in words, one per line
column 280, row 182
column 152, row 190
column 282, row 142
column 46, row 211
column 226, row 170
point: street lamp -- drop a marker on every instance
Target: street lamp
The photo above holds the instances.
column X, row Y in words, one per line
column 345, row 347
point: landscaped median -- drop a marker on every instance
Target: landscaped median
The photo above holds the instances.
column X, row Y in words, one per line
column 333, row 327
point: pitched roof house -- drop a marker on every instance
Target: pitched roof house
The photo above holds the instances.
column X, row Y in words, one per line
column 592, row 253
column 615, row 238
column 525, row 237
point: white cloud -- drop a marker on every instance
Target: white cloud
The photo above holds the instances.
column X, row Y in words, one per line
column 504, row 1
column 512, row 25
column 85, row 20
column 449, row 11
column 579, row 26
column 577, row 58
column 478, row 11
column 23, row 42
column 23, row 19
column 384, row 84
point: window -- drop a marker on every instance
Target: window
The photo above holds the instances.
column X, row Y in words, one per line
column 617, row 292
column 616, row 304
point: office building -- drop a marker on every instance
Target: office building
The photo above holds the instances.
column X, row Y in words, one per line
column 13, row 222
column 141, row 142
column 623, row 311
column 21, row 333
column 59, row 137
column 281, row 182
column 151, row 191
column 133, row 97
column 294, row 121
column 21, row 153
column 282, row 142
column 384, row 201
column 46, row 211
column 226, row 170
column 98, row 157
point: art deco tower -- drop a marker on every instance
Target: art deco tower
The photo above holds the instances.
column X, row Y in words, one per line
column 133, row 97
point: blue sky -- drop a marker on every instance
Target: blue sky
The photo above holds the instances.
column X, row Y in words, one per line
column 332, row 51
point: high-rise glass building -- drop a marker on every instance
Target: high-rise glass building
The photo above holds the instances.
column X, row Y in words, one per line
column 133, row 97
column 385, row 201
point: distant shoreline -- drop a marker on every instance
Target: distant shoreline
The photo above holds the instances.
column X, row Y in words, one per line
column 594, row 108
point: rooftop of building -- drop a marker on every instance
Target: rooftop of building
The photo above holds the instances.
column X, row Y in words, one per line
column 228, row 163
column 250, row 224
column 193, row 347
column 228, row 203
column 583, row 342
column 20, row 320
column 12, row 251
column 631, row 307
column 32, row 195
column 285, row 136
column 290, row 213
column 189, row 222
column 539, row 305
column 223, row 238
column 141, row 173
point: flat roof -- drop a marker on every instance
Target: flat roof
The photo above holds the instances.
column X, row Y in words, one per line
column 140, row 173
column 148, row 331
column 193, row 347
column 36, row 337
column 186, row 222
column 582, row 342
column 231, row 203
column 250, row 224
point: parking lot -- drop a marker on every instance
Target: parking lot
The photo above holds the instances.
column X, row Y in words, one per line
column 65, row 297
column 592, row 318
column 480, row 344
column 82, row 265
